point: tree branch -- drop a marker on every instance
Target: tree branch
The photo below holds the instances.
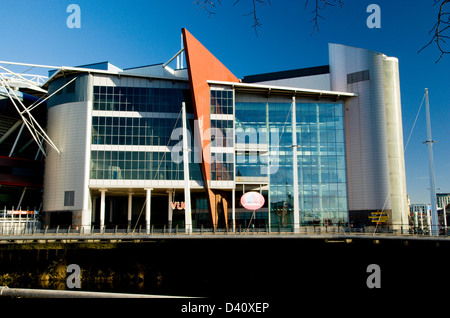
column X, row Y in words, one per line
column 440, row 28
column 210, row 5
column 207, row 5
column 318, row 6
column 256, row 20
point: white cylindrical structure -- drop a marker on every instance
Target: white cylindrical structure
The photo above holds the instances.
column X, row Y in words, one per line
column 102, row 209
column 130, row 208
column 148, row 204
column 376, row 178
column 421, row 220
column 416, row 220
column 429, row 222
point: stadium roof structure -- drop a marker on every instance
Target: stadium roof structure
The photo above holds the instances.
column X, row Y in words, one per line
column 13, row 85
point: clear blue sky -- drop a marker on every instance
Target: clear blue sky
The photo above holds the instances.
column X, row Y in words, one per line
column 133, row 33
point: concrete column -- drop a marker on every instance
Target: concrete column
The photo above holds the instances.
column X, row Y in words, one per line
column 102, row 209
column 86, row 221
column 233, row 209
column 130, row 207
column 148, row 205
column 421, row 219
column 170, row 211
column 111, row 210
column 94, row 208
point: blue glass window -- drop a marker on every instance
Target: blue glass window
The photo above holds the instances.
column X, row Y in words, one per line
column 320, row 156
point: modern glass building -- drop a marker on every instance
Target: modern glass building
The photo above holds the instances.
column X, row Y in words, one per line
column 158, row 147
column 320, row 151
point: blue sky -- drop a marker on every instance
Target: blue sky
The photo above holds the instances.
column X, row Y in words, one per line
column 134, row 32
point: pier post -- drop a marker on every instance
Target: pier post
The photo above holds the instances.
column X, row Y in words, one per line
column 148, row 209
column 102, row 209
column 130, row 207
column 170, row 211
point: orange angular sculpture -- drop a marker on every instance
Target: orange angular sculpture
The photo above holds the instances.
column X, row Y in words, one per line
column 203, row 66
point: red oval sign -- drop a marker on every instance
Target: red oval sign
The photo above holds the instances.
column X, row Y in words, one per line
column 252, row 200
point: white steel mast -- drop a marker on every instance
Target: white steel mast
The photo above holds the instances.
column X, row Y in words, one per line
column 430, row 142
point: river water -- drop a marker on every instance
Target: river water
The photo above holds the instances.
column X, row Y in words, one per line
column 222, row 267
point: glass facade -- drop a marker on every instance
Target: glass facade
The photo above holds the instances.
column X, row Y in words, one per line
column 134, row 165
column 131, row 140
column 222, row 101
column 133, row 131
column 222, row 135
column 320, row 156
column 321, row 161
column 281, row 179
column 251, row 129
column 133, row 116
column 140, row 99
column 222, row 167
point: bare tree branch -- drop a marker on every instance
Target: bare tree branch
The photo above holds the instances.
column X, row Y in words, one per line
column 207, row 5
column 440, row 28
column 318, row 6
column 256, row 20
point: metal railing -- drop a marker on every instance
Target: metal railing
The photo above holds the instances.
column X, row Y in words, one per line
column 34, row 229
column 16, row 222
